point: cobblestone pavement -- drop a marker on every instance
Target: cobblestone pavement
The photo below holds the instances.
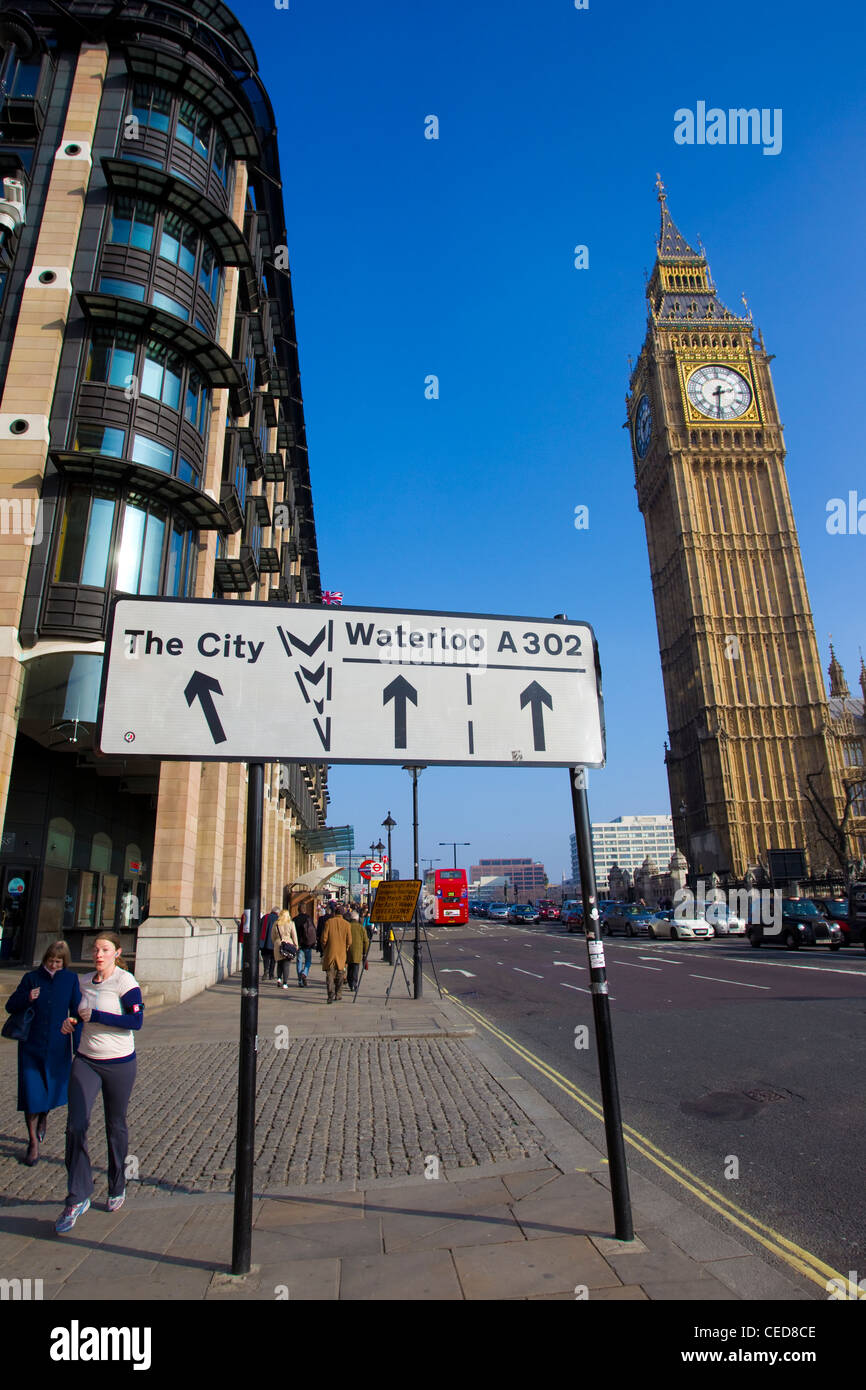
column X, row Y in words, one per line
column 329, row 1110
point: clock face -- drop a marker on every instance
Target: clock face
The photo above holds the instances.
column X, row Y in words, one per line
column 643, row 426
column 720, row 393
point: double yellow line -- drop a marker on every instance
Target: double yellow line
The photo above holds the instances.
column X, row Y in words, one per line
column 793, row 1255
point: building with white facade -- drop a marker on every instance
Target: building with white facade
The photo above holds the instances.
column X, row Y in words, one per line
column 627, row 841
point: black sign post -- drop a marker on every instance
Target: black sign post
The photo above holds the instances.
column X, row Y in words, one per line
column 242, row 1235
column 601, row 1010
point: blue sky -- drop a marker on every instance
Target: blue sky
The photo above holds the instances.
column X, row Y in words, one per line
column 455, row 257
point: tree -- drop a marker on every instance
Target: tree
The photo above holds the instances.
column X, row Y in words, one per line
column 832, row 828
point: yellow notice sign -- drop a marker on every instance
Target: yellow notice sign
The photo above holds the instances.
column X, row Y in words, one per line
column 395, row 901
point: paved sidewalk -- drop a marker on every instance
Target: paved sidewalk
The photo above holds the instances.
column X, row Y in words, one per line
column 360, row 1104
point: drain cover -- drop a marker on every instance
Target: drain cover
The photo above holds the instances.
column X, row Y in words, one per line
column 765, row 1096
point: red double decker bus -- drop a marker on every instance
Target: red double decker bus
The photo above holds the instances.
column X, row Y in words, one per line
column 450, row 893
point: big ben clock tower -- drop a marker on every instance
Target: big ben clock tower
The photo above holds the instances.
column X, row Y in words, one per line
column 747, row 710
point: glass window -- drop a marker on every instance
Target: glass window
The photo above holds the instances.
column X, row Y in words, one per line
column 162, row 374
column 111, row 358
column 151, row 560
column 85, row 536
column 152, row 454
column 26, row 79
column 180, row 569
column 132, row 223
column 152, row 106
column 171, row 306
column 98, row 545
column 124, row 288
column 187, row 472
column 179, row 243
column 197, row 402
column 139, row 159
column 140, row 555
column 129, row 560
column 221, row 161
column 194, row 129
column 209, row 274
column 100, row 439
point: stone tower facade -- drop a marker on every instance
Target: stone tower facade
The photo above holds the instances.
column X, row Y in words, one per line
column 747, row 710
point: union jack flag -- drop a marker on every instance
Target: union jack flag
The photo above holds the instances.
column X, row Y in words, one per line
column 333, row 596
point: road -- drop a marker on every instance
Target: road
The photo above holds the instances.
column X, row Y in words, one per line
column 745, row 1067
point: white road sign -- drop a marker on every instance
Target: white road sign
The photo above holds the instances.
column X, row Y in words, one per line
column 206, row 679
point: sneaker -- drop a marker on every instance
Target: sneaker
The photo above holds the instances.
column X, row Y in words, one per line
column 115, row 1203
column 69, row 1215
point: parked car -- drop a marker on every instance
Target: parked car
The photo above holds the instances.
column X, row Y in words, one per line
column 836, row 910
column 680, row 927
column 572, row 915
column 723, row 921
column 802, row 925
column 629, row 918
column 522, row 912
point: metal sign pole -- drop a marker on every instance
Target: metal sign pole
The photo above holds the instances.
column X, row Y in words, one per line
column 601, row 1010
column 242, row 1236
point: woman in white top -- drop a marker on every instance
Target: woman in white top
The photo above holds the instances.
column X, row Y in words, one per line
column 111, row 1012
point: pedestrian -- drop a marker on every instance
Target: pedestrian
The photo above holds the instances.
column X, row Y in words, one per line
column 110, row 1012
column 358, row 949
column 324, row 914
column 336, row 941
column 266, row 944
column 45, row 1057
column 306, row 930
column 285, row 943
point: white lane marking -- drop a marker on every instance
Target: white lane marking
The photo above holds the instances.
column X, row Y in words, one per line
column 635, row 966
column 789, row 965
column 570, row 964
column 527, row 972
column 580, row 987
column 665, row 959
column 449, row 971
column 742, row 983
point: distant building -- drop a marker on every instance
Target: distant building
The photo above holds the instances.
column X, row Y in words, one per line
column 626, row 841
column 527, row 879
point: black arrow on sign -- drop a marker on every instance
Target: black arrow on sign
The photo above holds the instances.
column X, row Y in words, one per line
column 536, row 696
column 203, row 688
column 400, row 691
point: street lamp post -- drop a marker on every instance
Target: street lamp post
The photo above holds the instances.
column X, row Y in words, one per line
column 385, row 927
column 417, row 977
column 454, row 843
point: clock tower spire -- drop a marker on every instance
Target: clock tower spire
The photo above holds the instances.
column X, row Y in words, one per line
column 747, row 710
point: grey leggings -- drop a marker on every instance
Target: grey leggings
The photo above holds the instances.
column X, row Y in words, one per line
column 115, row 1080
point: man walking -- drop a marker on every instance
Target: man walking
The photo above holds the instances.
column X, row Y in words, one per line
column 336, row 941
column 306, row 929
column 358, row 949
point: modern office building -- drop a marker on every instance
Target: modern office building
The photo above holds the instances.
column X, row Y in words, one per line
column 626, row 841
column 527, row 879
column 152, row 442
column 748, row 716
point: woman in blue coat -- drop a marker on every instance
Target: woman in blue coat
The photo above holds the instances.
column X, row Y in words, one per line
column 45, row 1059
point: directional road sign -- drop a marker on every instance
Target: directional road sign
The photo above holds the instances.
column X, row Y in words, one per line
column 208, row 679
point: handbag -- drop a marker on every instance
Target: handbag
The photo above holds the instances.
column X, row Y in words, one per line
column 287, row 950
column 17, row 1026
